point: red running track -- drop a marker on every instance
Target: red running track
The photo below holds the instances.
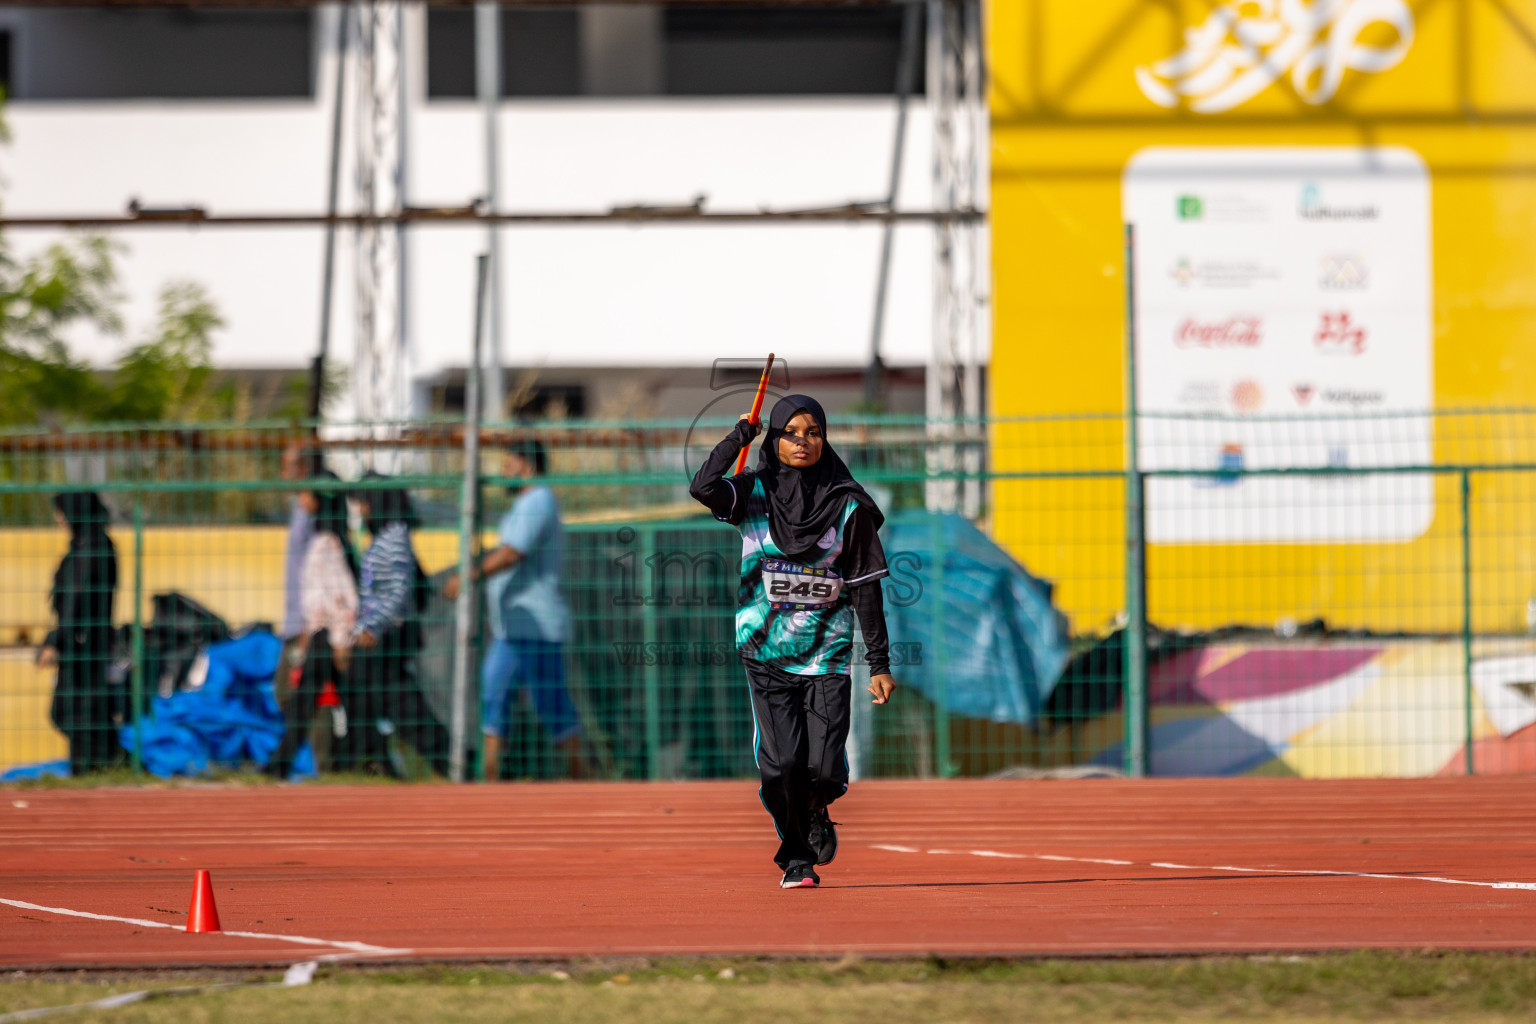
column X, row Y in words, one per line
column 961, row 867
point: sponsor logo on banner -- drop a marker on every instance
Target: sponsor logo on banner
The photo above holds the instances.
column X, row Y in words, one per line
column 1229, row 463
column 1222, row 208
column 1342, row 272
column 1202, row 394
column 1303, row 393
column 1247, row 396
column 1312, row 207
column 1339, row 334
column 1229, row 332
column 1241, row 49
column 1336, row 458
column 1224, row 274
column 1355, row 398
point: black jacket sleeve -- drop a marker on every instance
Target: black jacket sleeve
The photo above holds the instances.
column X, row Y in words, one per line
column 862, row 565
column 869, row 602
column 724, row 496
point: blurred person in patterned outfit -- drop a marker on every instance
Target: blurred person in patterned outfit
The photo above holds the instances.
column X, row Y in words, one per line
column 309, row 691
column 385, row 696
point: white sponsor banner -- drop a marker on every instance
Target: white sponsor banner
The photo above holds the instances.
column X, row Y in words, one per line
column 1283, row 321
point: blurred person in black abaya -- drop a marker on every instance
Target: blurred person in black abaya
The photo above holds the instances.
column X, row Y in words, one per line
column 81, row 643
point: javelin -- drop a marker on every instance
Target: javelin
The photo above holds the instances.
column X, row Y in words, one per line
column 757, row 407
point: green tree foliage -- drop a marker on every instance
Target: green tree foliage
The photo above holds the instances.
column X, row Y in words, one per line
column 41, row 298
column 167, row 376
column 72, row 286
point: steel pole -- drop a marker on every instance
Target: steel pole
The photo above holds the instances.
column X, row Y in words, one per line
column 488, row 91
column 1134, row 699
column 136, row 676
column 464, row 610
column 906, row 61
column 327, row 285
column 650, row 650
column 1466, row 616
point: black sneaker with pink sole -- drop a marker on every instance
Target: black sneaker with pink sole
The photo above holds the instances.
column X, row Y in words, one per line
column 800, row 876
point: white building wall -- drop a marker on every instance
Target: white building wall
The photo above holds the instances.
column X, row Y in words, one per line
column 654, row 295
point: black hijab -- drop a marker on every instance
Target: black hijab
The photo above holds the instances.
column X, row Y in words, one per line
column 385, row 505
column 331, row 515
column 88, row 571
column 804, row 503
column 86, row 515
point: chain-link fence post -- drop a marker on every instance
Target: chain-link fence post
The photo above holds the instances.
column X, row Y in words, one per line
column 136, row 673
column 650, row 655
column 1466, row 615
column 1134, row 698
column 944, row 769
column 1137, row 752
column 464, row 612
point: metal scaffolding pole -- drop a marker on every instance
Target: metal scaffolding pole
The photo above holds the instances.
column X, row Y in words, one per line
column 976, row 178
column 469, row 515
column 906, row 61
column 316, row 406
column 195, row 216
column 488, row 89
column 955, row 103
column 381, row 377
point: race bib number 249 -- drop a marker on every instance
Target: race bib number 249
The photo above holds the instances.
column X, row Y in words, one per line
column 791, row 586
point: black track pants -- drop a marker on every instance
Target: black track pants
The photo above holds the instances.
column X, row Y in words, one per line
column 802, row 733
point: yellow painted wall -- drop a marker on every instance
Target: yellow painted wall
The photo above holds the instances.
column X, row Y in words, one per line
column 236, row 571
column 1067, row 116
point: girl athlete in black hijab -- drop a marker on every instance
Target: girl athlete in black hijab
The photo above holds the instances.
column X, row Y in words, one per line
column 810, row 557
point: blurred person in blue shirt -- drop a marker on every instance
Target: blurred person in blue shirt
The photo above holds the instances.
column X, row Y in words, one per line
column 527, row 616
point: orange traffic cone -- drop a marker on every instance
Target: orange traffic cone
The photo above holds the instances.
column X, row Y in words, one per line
column 204, row 916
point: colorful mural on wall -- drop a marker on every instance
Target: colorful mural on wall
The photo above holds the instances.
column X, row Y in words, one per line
column 1334, row 709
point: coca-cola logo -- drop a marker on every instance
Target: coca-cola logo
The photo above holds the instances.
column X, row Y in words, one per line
column 1232, row 332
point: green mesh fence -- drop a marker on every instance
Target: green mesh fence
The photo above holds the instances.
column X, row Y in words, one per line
column 1322, row 597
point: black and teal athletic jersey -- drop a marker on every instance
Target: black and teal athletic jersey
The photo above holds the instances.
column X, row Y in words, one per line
column 803, row 635
column 793, row 615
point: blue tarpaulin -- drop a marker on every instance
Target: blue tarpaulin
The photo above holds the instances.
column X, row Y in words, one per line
column 231, row 718
column 38, row 770
column 990, row 642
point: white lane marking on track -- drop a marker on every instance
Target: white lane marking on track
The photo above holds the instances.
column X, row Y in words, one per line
column 303, row 940
column 1223, row 867
column 1039, row 856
